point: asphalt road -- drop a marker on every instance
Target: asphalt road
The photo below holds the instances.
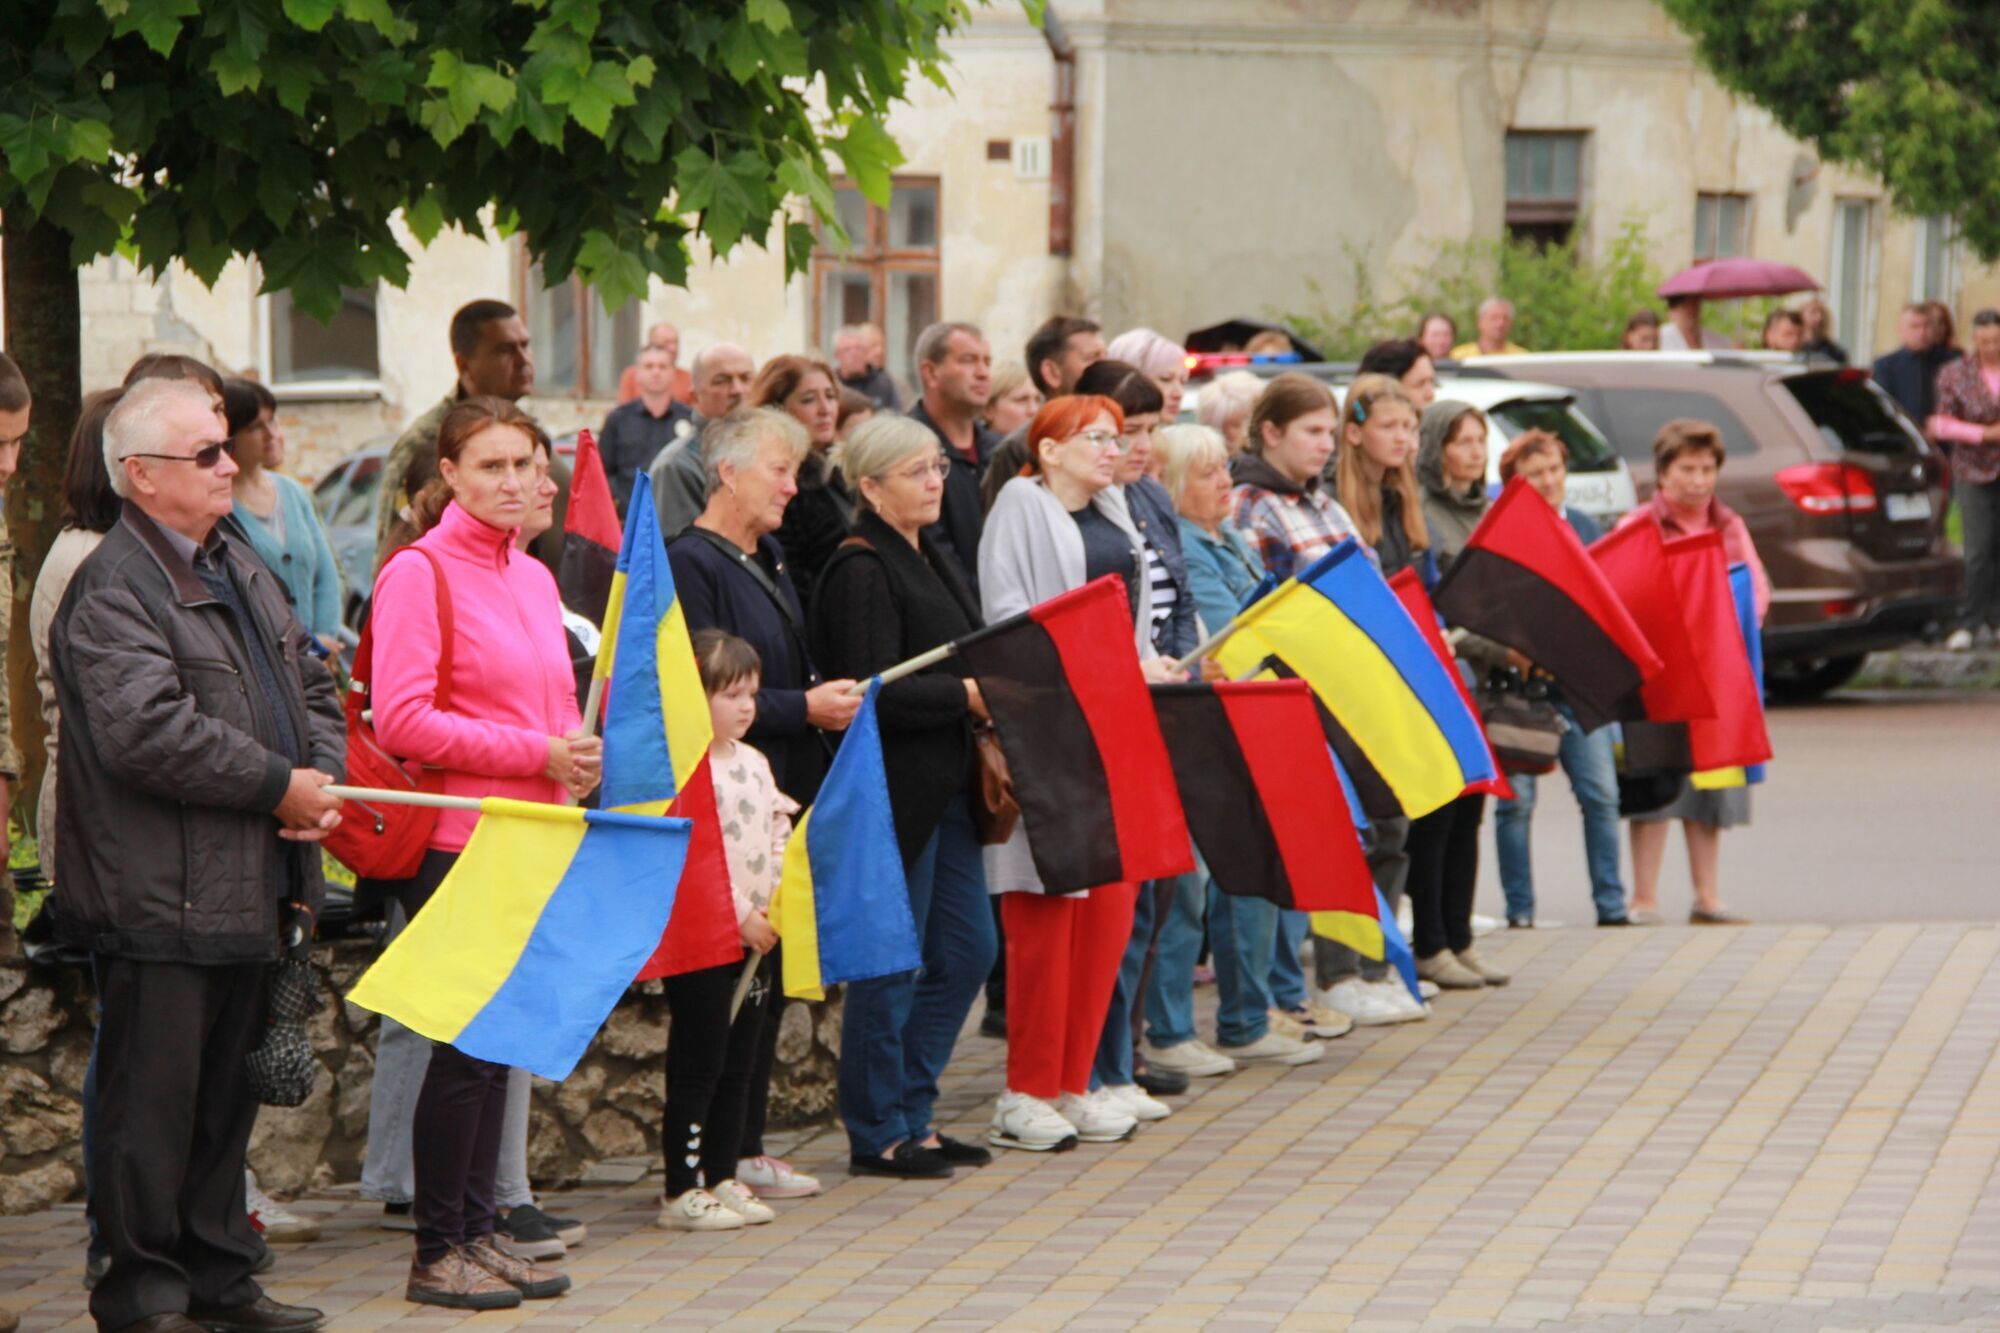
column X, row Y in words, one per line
column 1881, row 805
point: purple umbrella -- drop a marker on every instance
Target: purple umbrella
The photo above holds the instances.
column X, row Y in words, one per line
column 1723, row 279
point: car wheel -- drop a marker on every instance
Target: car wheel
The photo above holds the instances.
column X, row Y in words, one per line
column 1811, row 678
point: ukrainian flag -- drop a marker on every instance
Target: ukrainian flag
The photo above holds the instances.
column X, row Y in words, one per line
column 842, row 907
column 1340, row 628
column 542, row 923
column 1387, row 938
column 656, row 727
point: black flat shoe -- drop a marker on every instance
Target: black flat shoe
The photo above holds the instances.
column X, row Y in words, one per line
column 907, row 1161
column 993, row 1023
column 262, row 1315
column 1616, row 921
column 1161, row 1082
column 958, row 1153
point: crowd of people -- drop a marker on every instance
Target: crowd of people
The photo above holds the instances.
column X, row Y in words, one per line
column 819, row 529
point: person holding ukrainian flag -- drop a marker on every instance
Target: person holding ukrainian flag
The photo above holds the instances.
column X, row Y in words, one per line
column 513, row 730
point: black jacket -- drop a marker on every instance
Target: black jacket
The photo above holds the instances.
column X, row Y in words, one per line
column 633, row 437
column 716, row 588
column 816, row 521
column 171, row 763
column 1911, row 378
column 963, row 517
column 878, row 388
column 881, row 602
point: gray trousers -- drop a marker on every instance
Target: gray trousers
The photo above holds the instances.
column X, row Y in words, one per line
column 1389, row 862
column 388, row 1171
column 1979, row 509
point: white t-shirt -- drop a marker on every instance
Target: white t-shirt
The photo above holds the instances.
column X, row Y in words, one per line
column 1673, row 340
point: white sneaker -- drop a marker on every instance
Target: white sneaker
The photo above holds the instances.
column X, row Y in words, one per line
column 1318, row 1019
column 1137, row 1103
column 769, row 1178
column 277, row 1223
column 1021, row 1121
column 1427, row 988
column 1196, row 1059
column 737, row 1199
column 1360, row 1002
column 1274, row 1049
column 698, row 1210
column 1485, row 925
column 1097, row 1117
column 1406, row 1007
column 1959, row 642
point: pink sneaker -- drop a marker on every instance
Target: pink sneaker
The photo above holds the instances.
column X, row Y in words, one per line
column 770, row 1178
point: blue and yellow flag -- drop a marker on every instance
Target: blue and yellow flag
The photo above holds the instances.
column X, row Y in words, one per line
column 537, row 930
column 1340, row 628
column 1743, row 593
column 1387, row 939
column 656, row 728
column 843, row 904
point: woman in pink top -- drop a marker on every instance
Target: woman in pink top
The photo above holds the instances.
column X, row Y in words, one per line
column 1968, row 420
column 512, row 729
column 1687, row 457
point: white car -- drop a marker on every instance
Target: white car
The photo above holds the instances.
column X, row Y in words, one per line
column 1599, row 482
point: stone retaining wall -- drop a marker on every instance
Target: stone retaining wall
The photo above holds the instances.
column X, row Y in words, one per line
column 609, row 1107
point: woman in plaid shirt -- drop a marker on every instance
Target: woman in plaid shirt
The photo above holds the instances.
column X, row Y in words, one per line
column 1281, row 504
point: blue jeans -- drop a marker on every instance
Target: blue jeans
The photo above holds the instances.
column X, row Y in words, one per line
column 897, row 1032
column 1244, row 938
column 1288, row 977
column 1170, row 988
column 1593, row 775
column 1114, row 1048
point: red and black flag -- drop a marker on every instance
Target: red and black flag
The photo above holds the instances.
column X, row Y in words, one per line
column 1409, row 590
column 1634, row 559
column 591, row 533
column 1261, row 794
column 1090, row 771
column 1524, row 580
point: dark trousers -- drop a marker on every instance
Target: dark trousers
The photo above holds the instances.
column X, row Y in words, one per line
column 173, row 1116
column 1385, row 844
column 1979, row 511
column 757, row 1102
column 996, row 980
column 1444, row 866
column 455, row 1148
column 711, row 1067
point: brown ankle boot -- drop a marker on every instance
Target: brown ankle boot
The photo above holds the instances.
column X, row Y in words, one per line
column 532, row 1280
column 458, row 1283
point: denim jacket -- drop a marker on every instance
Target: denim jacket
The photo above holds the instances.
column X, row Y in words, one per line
column 1159, row 524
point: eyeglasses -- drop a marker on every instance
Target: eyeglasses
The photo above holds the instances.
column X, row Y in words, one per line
column 939, row 469
column 1102, row 440
column 204, row 458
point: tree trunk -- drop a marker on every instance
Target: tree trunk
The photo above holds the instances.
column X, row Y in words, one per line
column 45, row 337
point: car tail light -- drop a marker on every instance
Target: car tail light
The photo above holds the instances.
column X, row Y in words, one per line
column 1830, row 488
column 1841, row 607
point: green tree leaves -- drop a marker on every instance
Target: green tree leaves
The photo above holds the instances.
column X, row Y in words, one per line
column 1909, row 92
column 607, row 132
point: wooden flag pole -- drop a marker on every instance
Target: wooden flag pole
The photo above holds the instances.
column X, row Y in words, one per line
column 384, row 796
column 909, row 668
column 1210, row 644
column 744, row 982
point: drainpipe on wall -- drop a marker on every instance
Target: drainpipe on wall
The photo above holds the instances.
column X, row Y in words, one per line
column 1062, row 134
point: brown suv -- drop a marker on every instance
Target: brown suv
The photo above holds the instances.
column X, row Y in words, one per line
column 1842, row 495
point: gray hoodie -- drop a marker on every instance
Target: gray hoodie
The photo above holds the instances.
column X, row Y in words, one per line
column 1453, row 512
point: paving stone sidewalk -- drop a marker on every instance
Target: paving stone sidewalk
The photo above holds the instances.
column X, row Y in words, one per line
column 1768, row 1128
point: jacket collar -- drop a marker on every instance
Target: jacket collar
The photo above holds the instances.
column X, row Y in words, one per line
column 175, row 560
column 894, row 551
column 1252, row 470
column 459, row 533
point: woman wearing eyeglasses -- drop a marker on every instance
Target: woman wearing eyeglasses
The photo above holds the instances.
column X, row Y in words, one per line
column 1049, row 532
column 886, row 595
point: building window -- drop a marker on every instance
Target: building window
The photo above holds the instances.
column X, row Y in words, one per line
column 1931, row 271
column 1721, row 226
column 303, row 351
column 580, row 349
column 1851, row 289
column 888, row 273
column 1544, row 185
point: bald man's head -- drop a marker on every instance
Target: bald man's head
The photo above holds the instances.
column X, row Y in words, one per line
column 722, row 375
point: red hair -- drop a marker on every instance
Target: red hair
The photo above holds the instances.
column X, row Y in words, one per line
column 1065, row 417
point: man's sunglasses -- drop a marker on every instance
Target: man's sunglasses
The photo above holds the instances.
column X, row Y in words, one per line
column 204, row 458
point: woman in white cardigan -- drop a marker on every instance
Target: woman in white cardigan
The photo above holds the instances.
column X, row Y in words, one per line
column 1056, row 527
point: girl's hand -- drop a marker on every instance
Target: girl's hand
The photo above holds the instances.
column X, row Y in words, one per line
column 1211, row 671
column 1161, row 671
column 576, row 761
column 757, row 932
column 975, row 702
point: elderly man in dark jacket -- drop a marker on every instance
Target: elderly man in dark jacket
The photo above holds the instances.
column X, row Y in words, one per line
column 199, row 734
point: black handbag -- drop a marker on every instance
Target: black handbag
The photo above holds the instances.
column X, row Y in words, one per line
column 283, row 1066
column 1522, row 723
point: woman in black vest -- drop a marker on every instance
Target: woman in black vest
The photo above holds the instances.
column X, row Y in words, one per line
column 887, row 595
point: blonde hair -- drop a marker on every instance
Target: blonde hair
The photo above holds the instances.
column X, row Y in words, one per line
column 1007, row 377
column 1361, row 497
column 1185, row 448
column 879, row 444
column 1226, row 396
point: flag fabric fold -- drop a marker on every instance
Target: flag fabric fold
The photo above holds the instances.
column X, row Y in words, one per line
column 1525, row 580
column 1261, row 794
column 1395, row 949
column 1734, row 736
column 539, row 927
column 590, row 536
column 1403, row 729
column 1743, row 593
column 1634, row 561
column 1076, row 723
column 842, row 906
column 1409, row 590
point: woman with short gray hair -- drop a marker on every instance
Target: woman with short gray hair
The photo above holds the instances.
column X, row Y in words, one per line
column 888, row 594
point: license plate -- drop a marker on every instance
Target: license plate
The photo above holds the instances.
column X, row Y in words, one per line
column 1912, row 507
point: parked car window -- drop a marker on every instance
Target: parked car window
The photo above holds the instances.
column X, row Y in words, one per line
column 1632, row 417
column 1589, row 451
column 1854, row 415
column 357, row 504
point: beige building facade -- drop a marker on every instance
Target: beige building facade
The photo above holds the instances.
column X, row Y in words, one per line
column 1223, row 155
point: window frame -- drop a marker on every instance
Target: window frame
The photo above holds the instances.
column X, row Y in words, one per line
column 295, row 390
column 1943, row 248
column 1717, row 198
column 1528, row 214
column 873, row 256
column 527, row 287
column 1858, row 325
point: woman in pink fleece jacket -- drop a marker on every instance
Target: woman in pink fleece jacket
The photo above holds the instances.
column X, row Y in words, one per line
column 512, row 729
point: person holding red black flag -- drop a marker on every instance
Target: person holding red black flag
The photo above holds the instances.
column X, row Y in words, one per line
column 1050, row 533
column 1687, row 458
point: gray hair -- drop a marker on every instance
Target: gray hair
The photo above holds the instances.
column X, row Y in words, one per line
column 1497, row 303
column 1184, row 448
column 736, row 438
column 138, row 425
column 1149, row 351
column 1226, row 396
column 694, row 367
column 931, row 343
column 879, row 444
